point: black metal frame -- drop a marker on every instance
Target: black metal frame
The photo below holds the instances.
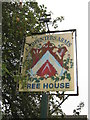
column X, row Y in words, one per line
column 70, row 30
column 48, row 32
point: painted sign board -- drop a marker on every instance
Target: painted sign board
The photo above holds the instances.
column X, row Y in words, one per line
column 48, row 63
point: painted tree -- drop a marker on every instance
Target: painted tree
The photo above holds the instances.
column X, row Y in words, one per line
column 18, row 21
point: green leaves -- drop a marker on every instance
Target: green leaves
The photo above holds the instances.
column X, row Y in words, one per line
column 4, row 69
column 54, row 23
column 68, row 76
column 52, row 77
column 62, row 77
column 66, row 63
column 55, row 78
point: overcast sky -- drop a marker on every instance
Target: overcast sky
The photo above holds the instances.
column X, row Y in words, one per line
column 76, row 17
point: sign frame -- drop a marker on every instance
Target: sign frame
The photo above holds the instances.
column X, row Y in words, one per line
column 77, row 88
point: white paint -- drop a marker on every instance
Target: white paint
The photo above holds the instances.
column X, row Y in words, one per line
column 76, row 17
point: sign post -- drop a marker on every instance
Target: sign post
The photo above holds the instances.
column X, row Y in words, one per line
column 44, row 106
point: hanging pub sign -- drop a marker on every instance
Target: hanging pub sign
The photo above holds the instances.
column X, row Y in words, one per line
column 48, row 63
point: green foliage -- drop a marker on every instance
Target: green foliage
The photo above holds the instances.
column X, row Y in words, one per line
column 54, row 23
column 53, row 105
column 67, row 64
column 68, row 76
